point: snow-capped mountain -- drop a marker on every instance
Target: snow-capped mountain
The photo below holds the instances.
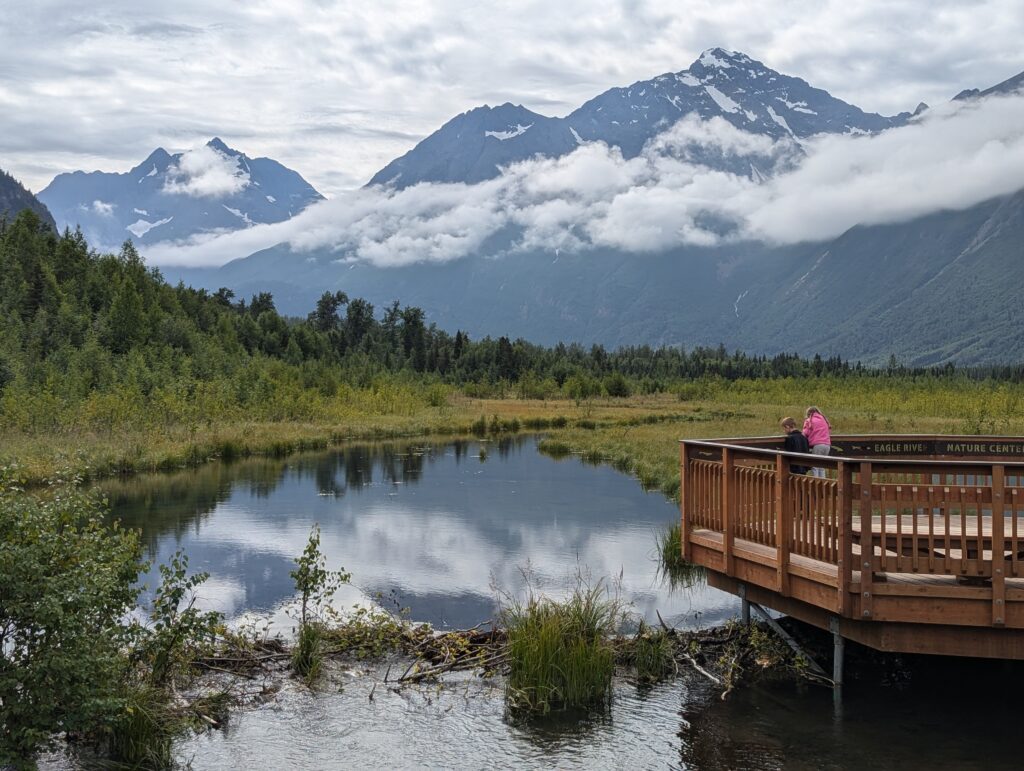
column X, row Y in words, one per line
column 859, row 294
column 171, row 197
column 471, row 147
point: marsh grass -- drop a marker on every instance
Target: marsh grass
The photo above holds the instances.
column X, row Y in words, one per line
column 652, row 655
column 143, row 734
column 560, row 653
column 307, row 656
column 679, row 573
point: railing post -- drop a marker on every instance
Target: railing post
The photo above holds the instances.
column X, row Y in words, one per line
column 728, row 501
column 844, row 505
column 867, row 546
column 684, row 502
column 783, row 523
column 998, row 546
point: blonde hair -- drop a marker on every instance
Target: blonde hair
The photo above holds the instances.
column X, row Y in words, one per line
column 787, row 423
column 812, row 410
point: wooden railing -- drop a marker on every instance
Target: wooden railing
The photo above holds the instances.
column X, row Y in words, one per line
column 869, row 518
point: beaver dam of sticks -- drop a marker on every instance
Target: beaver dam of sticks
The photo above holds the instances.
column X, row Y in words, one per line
column 550, row 656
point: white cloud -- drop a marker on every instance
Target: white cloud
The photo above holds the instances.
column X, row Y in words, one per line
column 951, row 158
column 103, row 208
column 206, row 172
column 339, row 89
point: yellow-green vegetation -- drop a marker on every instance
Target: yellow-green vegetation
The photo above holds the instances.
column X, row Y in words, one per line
column 673, row 568
column 315, row 585
column 560, row 653
column 652, row 654
column 650, row 450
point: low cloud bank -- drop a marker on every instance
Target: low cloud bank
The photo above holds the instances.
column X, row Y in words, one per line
column 206, row 173
column 778, row 191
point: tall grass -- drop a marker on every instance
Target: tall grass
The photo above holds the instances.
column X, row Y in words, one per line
column 142, row 736
column 307, row 658
column 652, row 654
column 560, row 653
column 673, row 568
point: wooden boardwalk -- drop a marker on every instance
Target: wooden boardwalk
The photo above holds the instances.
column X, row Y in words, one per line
column 911, row 544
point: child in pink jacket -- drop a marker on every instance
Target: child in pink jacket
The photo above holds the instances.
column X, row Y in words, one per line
column 819, row 436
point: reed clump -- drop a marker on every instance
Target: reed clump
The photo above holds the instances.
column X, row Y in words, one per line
column 673, row 568
column 652, row 653
column 560, row 654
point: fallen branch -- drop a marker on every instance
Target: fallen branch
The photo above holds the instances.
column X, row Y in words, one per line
column 699, row 668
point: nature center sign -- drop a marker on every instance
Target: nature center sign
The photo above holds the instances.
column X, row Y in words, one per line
column 914, row 447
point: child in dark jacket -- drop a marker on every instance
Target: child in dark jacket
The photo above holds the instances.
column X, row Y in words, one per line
column 796, row 441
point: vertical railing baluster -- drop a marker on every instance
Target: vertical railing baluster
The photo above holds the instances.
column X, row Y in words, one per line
column 783, row 523
column 844, row 512
column 728, row 502
column 867, row 547
column 998, row 546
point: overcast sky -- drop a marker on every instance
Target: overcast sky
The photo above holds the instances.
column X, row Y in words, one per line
column 337, row 89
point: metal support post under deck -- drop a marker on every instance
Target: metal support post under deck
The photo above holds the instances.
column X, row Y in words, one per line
column 837, row 652
column 744, row 606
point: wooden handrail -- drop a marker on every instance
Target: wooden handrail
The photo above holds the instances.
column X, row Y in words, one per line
column 875, row 539
column 749, row 445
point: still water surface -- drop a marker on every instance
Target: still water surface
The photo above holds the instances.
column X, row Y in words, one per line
column 439, row 527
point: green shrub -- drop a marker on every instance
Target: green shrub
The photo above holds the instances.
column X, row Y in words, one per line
column 316, row 585
column 616, row 386
column 66, row 582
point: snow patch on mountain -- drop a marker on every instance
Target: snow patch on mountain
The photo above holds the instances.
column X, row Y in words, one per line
column 795, row 106
column 710, row 60
column 727, row 104
column 238, row 213
column 779, row 119
column 140, row 227
column 519, row 130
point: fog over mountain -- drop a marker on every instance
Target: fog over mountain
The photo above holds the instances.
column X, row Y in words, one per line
column 755, row 187
column 208, row 190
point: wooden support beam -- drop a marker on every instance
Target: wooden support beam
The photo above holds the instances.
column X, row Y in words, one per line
column 998, row 546
column 728, row 504
column 783, row 523
column 867, row 541
column 684, row 500
column 844, row 508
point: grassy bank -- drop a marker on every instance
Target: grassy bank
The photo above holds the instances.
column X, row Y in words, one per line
column 649, row 450
column 637, row 434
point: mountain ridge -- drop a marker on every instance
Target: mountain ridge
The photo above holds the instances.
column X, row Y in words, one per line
column 171, row 197
column 14, row 197
column 872, row 291
column 720, row 83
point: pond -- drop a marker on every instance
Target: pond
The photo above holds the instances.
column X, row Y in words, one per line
column 439, row 529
